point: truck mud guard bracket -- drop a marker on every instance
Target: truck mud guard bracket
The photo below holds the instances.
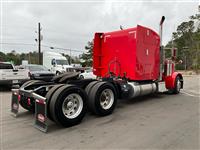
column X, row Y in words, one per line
column 41, row 119
column 16, row 96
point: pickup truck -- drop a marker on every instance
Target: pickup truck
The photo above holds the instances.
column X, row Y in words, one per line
column 10, row 76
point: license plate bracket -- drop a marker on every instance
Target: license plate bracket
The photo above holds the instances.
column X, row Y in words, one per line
column 15, row 81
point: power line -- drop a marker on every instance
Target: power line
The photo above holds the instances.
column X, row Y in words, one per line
column 4, row 43
column 39, row 44
column 68, row 49
column 51, row 47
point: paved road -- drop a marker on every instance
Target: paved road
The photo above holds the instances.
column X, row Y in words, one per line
column 151, row 122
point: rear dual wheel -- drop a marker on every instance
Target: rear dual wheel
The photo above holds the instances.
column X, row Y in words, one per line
column 49, row 96
column 68, row 105
column 102, row 98
column 26, row 83
column 81, row 77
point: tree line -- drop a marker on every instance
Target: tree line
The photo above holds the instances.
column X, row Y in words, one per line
column 32, row 57
column 17, row 58
column 186, row 39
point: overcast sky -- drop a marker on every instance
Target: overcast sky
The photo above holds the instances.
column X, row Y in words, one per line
column 72, row 24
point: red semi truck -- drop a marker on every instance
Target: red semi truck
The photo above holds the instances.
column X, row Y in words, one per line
column 128, row 63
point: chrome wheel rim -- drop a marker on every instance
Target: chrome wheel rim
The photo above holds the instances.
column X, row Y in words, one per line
column 107, row 99
column 72, row 106
column 178, row 85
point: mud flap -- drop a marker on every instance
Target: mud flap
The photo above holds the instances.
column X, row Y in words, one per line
column 15, row 102
column 41, row 119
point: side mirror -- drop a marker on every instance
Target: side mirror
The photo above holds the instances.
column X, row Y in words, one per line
column 53, row 62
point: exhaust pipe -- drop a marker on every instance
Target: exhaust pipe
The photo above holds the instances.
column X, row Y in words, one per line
column 162, row 55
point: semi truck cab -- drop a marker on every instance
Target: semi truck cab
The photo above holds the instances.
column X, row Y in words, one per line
column 128, row 63
column 56, row 62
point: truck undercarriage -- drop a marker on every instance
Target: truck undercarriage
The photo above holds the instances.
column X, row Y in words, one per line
column 66, row 102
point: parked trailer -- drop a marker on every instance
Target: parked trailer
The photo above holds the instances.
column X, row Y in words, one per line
column 128, row 63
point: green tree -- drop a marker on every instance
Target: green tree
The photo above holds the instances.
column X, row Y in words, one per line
column 69, row 59
column 187, row 40
column 87, row 56
column 13, row 57
column 2, row 56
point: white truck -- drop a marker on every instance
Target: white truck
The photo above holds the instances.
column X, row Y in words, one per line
column 10, row 76
column 56, row 62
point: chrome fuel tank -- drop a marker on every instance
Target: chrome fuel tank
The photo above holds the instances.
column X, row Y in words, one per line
column 137, row 89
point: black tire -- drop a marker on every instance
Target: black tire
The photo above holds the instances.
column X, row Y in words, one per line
column 30, row 85
column 57, row 101
column 81, row 83
column 58, row 73
column 26, row 83
column 69, row 76
column 81, row 77
column 95, row 96
column 89, row 86
column 48, row 97
column 177, row 88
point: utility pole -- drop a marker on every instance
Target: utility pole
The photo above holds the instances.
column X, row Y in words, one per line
column 70, row 61
column 39, row 45
column 185, row 63
column 29, row 58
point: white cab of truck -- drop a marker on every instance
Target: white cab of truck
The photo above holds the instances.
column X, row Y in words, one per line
column 56, row 62
column 11, row 76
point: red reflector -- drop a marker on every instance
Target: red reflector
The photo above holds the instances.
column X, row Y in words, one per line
column 19, row 97
column 41, row 118
column 40, row 101
column 29, row 101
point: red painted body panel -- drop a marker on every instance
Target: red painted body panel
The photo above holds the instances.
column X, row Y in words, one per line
column 134, row 52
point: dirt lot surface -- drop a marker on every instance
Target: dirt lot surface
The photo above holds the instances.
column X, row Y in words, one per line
column 160, row 121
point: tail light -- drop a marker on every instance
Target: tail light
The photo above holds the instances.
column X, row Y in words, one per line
column 29, row 101
column 19, row 97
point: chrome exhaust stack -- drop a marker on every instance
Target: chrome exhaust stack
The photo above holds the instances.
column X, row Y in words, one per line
column 162, row 54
